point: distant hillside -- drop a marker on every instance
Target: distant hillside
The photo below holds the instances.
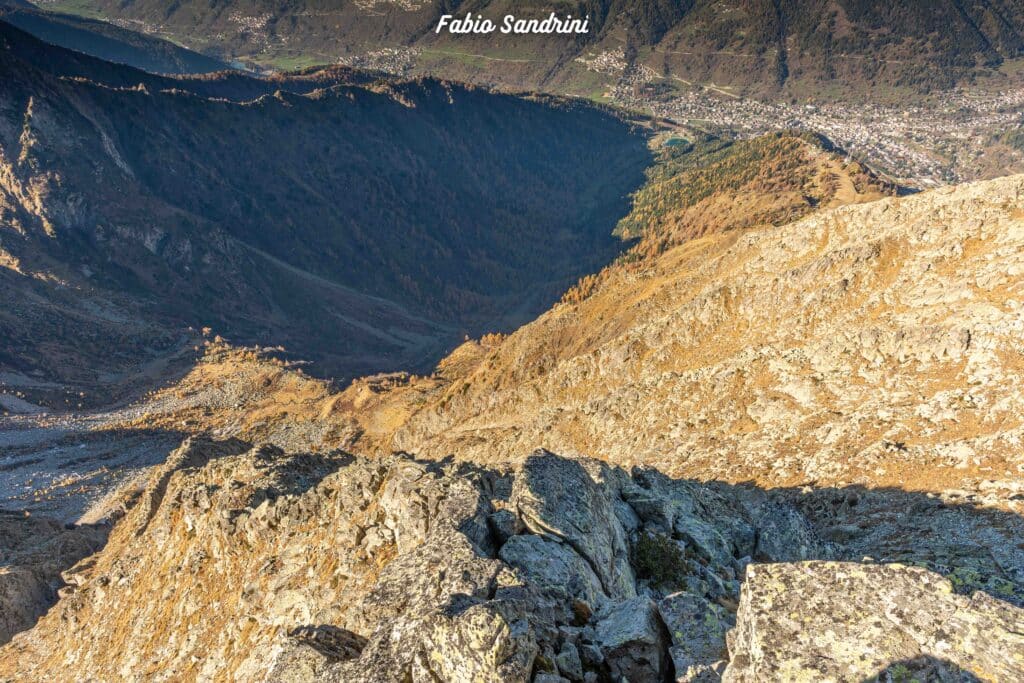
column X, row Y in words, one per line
column 761, row 46
column 364, row 227
column 108, row 42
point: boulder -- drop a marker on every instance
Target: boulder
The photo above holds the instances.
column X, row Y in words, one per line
column 632, row 641
column 489, row 643
column 843, row 621
column 697, row 629
column 557, row 497
column 553, row 567
column 569, row 663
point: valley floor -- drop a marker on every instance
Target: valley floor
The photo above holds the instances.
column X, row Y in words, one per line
column 63, row 466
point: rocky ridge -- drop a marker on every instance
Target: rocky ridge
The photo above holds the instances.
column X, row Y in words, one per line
column 873, row 345
column 876, row 344
column 252, row 564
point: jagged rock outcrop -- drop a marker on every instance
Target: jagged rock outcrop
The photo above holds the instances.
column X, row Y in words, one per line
column 263, row 565
column 255, row 564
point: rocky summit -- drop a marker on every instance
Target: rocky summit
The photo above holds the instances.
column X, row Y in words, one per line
column 236, row 562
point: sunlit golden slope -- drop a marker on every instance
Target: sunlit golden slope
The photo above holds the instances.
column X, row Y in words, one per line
column 873, row 343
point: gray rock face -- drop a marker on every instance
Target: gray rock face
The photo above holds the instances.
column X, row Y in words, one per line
column 569, row 663
column 558, row 498
column 255, row 564
column 553, row 567
column 698, row 629
column 307, row 652
column 784, row 535
column 632, row 641
column 836, row 621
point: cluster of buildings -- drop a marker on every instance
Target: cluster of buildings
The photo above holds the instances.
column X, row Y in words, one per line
column 391, row 60
column 922, row 146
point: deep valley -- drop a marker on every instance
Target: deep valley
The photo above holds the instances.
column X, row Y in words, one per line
column 681, row 351
column 365, row 226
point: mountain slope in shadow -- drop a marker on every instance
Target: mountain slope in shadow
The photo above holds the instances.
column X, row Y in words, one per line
column 758, row 46
column 107, row 41
column 365, row 227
